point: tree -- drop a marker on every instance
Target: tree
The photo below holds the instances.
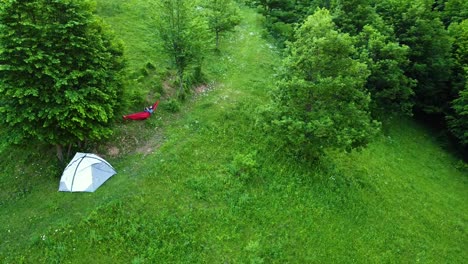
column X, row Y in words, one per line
column 430, row 64
column 321, row 101
column 391, row 90
column 458, row 118
column 223, row 16
column 459, row 34
column 270, row 5
column 458, row 121
column 184, row 35
column 281, row 15
column 60, row 72
column 352, row 15
column 453, row 11
column 419, row 28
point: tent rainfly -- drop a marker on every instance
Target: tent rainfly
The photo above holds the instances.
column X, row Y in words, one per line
column 85, row 173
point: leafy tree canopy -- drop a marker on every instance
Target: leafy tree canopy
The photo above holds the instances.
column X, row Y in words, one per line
column 458, row 119
column 184, row 35
column 452, row 11
column 391, row 89
column 60, row 71
column 352, row 15
column 420, row 28
column 321, row 100
column 222, row 15
column 458, row 122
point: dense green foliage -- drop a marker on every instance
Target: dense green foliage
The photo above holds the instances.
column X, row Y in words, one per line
column 430, row 64
column 407, row 46
column 352, row 15
column 452, row 11
column 184, row 35
column 391, row 90
column 222, row 15
column 321, row 102
column 457, row 120
column 60, row 72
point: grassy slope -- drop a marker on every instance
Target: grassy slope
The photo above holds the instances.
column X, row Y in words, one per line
column 215, row 192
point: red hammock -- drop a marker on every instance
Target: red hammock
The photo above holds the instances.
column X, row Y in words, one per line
column 141, row 115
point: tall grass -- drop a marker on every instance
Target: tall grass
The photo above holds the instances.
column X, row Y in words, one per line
column 208, row 187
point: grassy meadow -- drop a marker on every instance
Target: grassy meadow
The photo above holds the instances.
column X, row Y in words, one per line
column 204, row 185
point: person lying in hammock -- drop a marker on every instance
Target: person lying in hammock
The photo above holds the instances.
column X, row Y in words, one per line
column 148, row 111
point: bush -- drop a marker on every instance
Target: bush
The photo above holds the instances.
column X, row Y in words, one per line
column 172, row 105
column 244, row 166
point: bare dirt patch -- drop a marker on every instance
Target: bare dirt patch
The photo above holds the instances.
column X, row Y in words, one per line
column 168, row 90
column 204, row 88
column 113, row 151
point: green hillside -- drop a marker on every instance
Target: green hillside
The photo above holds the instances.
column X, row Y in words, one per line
column 204, row 185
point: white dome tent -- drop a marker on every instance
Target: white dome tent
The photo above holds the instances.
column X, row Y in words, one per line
column 85, row 173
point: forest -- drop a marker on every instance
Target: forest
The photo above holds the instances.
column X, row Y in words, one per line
column 414, row 53
column 287, row 131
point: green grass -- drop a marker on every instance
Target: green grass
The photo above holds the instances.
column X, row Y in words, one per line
column 205, row 186
column 133, row 23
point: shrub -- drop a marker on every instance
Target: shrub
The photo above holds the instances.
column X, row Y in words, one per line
column 244, row 166
column 172, row 105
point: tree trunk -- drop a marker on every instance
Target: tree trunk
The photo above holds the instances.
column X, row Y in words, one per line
column 69, row 151
column 181, row 82
column 59, row 152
